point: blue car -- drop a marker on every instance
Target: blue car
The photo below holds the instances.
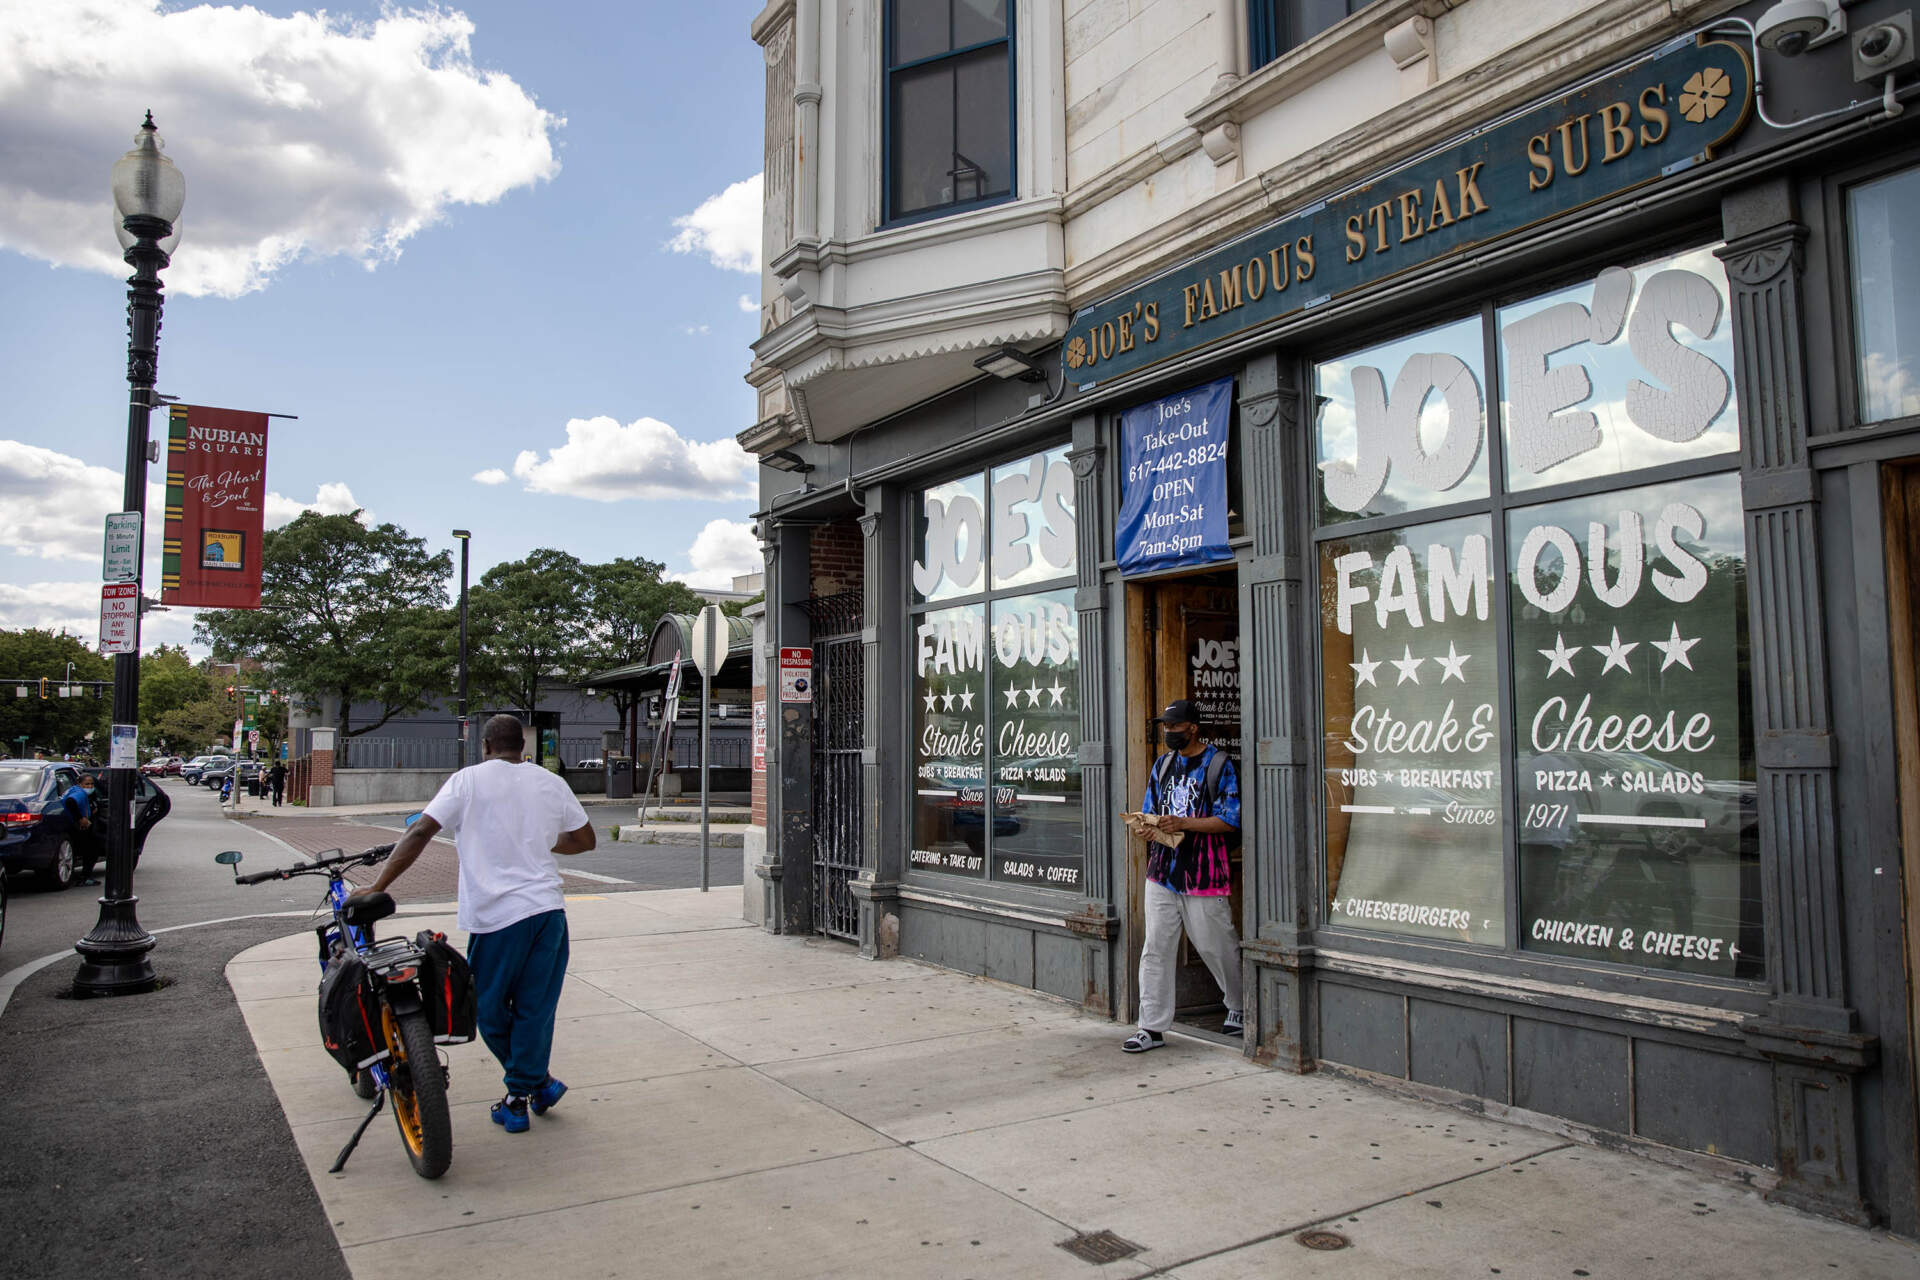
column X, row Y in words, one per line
column 37, row 831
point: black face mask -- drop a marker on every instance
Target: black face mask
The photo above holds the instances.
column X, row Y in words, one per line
column 1177, row 739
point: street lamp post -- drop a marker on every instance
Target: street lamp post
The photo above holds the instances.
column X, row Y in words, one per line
column 148, row 194
column 465, row 536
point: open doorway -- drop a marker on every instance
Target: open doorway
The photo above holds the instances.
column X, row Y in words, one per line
column 1183, row 641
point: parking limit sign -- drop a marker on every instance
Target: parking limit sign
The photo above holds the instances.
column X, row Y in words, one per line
column 119, row 617
column 796, row 675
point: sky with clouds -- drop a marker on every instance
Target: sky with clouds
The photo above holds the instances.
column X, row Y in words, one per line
column 502, row 261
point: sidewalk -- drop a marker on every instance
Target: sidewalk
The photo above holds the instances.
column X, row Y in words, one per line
column 749, row 1105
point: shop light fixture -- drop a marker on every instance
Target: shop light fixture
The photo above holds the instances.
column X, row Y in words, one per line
column 1011, row 362
column 786, row 460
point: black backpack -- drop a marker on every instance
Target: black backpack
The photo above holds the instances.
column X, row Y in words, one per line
column 350, row 1013
column 1210, row 786
column 446, row 989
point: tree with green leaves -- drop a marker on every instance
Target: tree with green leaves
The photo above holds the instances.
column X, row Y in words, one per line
column 625, row 600
column 527, row 620
column 348, row 612
column 75, row 725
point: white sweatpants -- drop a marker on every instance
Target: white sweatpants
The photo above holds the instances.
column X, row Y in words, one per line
column 1208, row 920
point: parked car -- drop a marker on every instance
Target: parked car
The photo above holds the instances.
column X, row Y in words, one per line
column 161, row 766
column 36, row 830
column 215, row 772
column 192, row 769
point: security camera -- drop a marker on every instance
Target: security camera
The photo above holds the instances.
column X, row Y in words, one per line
column 1883, row 47
column 1792, row 27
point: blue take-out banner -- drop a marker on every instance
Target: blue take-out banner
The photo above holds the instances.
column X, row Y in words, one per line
column 1173, row 490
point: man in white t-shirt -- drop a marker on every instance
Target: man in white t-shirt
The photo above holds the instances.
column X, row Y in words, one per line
column 507, row 818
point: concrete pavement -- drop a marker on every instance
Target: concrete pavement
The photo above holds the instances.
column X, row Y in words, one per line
column 750, row 1105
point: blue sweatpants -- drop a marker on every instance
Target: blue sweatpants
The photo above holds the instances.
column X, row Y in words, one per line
column 517, row 972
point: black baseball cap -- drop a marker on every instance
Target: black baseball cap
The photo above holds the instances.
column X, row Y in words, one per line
column 1179, row 711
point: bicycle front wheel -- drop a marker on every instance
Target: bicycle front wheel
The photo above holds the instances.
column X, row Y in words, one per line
column 419, row 1094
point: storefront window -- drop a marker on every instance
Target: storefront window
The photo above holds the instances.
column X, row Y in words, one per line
column 952, row 547
column 1412, row 732
column 1037, row 834
column 950, row 741
column 1883, row 224
column 1402, row 425
column 1631, row 370
column 1633, row 759
column 1033, row 528
column 1614, row 685
column 997, row 677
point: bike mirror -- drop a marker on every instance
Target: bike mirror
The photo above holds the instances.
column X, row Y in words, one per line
column 229, row 858
column 411, row 819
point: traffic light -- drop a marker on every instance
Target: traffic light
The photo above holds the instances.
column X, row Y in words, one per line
column 229, row 691
column 43, row 688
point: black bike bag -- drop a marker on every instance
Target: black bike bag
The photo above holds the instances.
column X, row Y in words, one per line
column 446, row 989
column 350, row 1014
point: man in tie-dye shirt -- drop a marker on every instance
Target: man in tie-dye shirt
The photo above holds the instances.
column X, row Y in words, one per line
column 1197, row 790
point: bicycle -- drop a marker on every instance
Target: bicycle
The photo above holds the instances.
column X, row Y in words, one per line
column 384, row 1008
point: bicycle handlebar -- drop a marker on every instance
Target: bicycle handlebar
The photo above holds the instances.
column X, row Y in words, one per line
column 368, row 856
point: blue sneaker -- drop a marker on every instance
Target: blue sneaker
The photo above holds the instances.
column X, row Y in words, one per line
column 511, row 1114
column 546, row 1095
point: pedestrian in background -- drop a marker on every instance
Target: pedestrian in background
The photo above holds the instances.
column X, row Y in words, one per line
column 80, row 801
column 1196, row 790
column 507, row 818
column 277, row 779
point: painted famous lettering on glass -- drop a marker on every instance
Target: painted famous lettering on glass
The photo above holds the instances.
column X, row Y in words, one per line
column 1034, row 807
column 950, row 741
column 1033, row 520
column 1412, row 749
column 1402, row 425
column 1631, row 370
column 1025, row 536
column 1633, row 762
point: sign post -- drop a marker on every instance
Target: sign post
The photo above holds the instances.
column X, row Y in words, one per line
column 119, row 618
column 122, row 557
column 707, row 657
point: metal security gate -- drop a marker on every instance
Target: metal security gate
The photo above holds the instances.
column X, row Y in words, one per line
column 839, row 818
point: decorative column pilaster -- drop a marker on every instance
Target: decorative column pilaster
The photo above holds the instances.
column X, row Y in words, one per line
column 1096, row 922
column 883, row 780
column 1278, row 836
column 788, row 869
column 1809, row 1032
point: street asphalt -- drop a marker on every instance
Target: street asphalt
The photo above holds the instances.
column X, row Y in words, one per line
column 143, row 1138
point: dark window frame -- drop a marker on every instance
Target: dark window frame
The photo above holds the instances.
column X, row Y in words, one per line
column 1498, row 505
column 1270, row 35
column 889, row 216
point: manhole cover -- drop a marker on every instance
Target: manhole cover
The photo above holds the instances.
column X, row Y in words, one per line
column 1099, row 1247
column 1325, row 1241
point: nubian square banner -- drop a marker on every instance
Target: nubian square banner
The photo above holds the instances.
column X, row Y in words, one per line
column 216, row 504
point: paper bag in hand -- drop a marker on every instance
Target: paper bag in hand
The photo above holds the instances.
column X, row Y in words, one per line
column 1147, row 826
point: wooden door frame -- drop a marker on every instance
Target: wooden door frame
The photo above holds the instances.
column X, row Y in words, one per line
column 1900, row 501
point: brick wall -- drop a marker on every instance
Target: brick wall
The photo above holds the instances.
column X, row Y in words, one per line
column 838, row 557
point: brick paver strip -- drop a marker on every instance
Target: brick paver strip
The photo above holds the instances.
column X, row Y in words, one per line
column 435, row 877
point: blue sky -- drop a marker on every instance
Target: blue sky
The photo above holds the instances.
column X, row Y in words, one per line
column 386, row 236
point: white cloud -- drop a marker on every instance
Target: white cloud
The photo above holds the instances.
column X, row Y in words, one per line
column 52, row 505
column 748, row 305
column 695, row 330
column 492, row 475
column 725, row 227
column 75, row 607
column 331, row 499
column 308, row 135
column 646, row 458
column 723, row 549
